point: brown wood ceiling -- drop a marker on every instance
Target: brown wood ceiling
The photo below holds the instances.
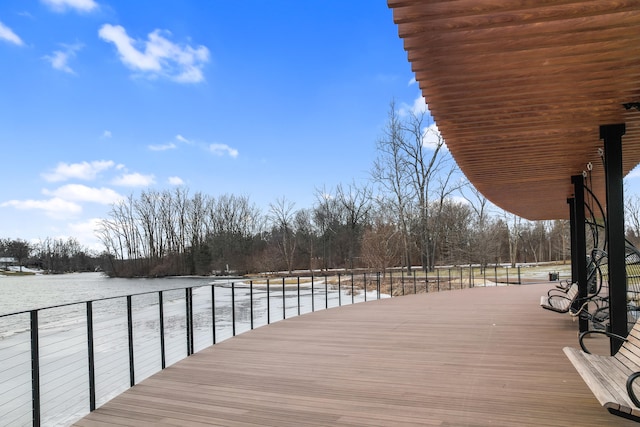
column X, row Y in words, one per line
column 520, row 88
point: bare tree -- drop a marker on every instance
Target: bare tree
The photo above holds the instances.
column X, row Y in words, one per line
column 391, row 172
column 281, row 215
column 356, row 202
column 632, row 218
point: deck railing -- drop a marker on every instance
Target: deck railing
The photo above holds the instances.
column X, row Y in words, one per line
column 60, row 362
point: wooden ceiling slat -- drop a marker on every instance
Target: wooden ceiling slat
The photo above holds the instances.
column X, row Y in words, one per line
column 520, row 88
column 500, row 15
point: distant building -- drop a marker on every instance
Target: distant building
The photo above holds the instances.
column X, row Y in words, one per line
column 5, row 262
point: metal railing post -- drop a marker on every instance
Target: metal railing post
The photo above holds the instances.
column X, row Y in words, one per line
column 298, row 295
column 163, row 359
column 132, row 374
column 313, row 297
column 35, row 370
column 415, row 286
column 284, row 305
column 251, row 301
column 213, row 312
column 352, row 290
column 90, row 358
column 339, row 292
column 268, row 305
column 326, row 293
column 364, row 276
column 188, row 296
column 233, row 308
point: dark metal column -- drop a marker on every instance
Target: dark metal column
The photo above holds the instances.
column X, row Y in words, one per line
column 612, row 136
column 580, row 247
column 572, row 229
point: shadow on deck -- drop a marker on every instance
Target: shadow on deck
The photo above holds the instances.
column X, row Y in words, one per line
column 477, row 357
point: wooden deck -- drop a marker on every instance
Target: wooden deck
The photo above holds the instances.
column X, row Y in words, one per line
column 478, row 357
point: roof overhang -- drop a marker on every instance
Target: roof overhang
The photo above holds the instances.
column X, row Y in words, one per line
column 519, row 90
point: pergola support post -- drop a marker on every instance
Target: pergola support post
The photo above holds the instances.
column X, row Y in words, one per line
column 612, row 136
column 572, row 238
column 579, row 248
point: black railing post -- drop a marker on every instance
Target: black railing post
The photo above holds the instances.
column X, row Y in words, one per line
column 364, row 277
column 163, row 359
column 90, row 358
column 352, row 290
column 251, row 301
column 188, row 296
column 378, row 283
column 313, row 297
column 233, row 308
column 471, row 281
column 284, row 305
column 415, row 286
column 339, row 292
column 326, row 293
column 519, row 279
column 35, row 370
column 298, row 295
column 461, row 287
column 132, row 374
column 402, row 280
column 268, row 305
column 507, row 270
column 213, row 312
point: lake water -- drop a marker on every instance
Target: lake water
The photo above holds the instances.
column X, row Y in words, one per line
column 64, row 379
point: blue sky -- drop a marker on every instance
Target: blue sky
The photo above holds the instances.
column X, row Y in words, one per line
column 103, row 98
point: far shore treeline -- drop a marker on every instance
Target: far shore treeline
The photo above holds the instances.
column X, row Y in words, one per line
column 415, row 210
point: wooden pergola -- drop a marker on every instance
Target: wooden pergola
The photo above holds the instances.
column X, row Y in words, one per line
column 520, row 88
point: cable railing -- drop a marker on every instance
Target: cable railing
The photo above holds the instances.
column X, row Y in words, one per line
column 59, row 363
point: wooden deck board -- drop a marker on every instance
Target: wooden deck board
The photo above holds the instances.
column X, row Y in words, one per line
column 478, row 357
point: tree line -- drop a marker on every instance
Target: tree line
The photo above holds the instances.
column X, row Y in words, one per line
column 414, row 211
column 50, row 255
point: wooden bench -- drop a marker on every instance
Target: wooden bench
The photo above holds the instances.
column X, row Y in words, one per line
column 559, row 300
column 612, row 378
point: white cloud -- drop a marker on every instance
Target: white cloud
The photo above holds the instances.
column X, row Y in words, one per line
column 59, row 59
column 418, row 107
column 162, row 147
column 85, row 170
column 82, row 193
column 55, row 207
column 106, row 134
column 77, row 5
column 431, row 137
column 412, row 81
column 175, row 180
column 134, row 180
column 8, row 35
column 85, row 232
column 222, row 149
column 183, row 139
column 159, row 56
